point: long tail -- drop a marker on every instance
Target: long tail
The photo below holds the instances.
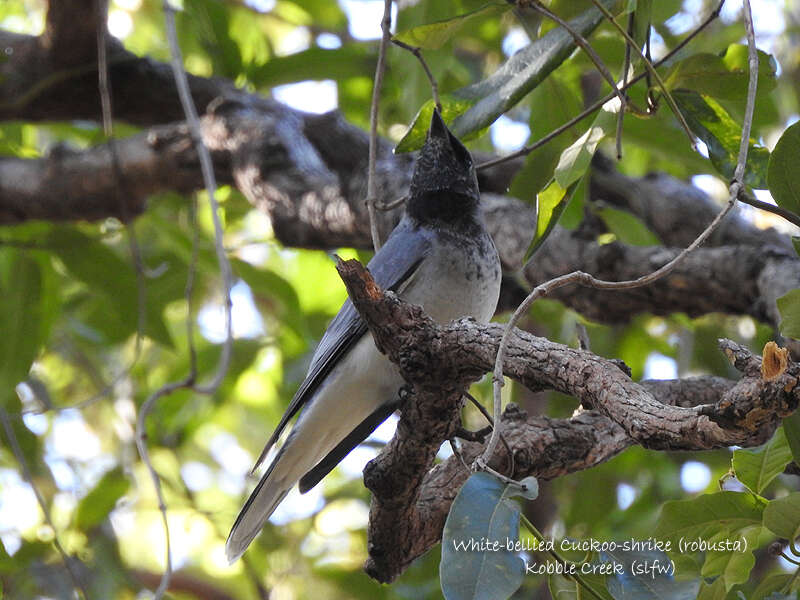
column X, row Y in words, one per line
column 270, row 491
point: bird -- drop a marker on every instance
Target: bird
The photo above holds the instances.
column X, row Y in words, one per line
column 439, row 256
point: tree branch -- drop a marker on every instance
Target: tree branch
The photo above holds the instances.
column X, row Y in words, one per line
column 308, row 172
column 409, row 505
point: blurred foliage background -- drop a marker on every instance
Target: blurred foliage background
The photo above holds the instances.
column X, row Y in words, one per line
column 71, row 296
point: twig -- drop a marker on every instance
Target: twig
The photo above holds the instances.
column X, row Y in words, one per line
column 626, row 65
column 416, row 51
column 457, row 453
column 590, row 281
column 480, row 407
column 206, row 166
column 106, row 109
column 777, row 210
column 597, row 105
column 372, row 193
column 28, row 477
column 752, row 86
column 586, row 47
column 540, row 538
column 392, row 204
column 649, row 66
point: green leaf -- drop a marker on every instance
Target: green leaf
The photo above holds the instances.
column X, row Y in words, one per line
column 550, row 203
column 782, row 516
column 782, row 176
column 771, row 583
column 628, row 228
column 478, row 105
column 267, row 285
column 351, row 60
column 98, row 503
column 434, row 35
column 782, row 596
column 576, row 158
column 482, row 511
column 711, row 123
column 722, row 76
column 733, row 567
column 789, row 307
column 791, row 428
column 726, row 524
column 565, row 588
column 715, row 590
column 21, row 316
column 104, row 272
column 555, row 100
column 646, row 574
column 757, row 468
column 708, row 515
column 207, row 22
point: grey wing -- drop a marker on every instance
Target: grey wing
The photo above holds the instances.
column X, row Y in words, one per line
column 392, row 265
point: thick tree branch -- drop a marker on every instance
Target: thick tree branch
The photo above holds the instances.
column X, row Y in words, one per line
column 308, row 172
column 440, row 361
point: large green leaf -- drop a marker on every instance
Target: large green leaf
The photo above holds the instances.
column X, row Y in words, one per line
column 791, row 428
column 708, row 515
column 732, row 566
column 482, row 513
column 783, row 175
column 95, row 506
column 478, row 105
column 565, row 588
column 207, row 23
column 105, row 273
column 770, row 584
column 22, row 317
column 646, row 574
column 575, row 160
column 434, row 35
column 782, row 516
column 550, row 204
column 757, row 468
column 711, row 123
column 628, row 228
column 725, row 525
column 351, row 60
column 789, row 307
column 723, row 76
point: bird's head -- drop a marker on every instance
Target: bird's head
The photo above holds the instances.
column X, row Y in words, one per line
column 444, row 185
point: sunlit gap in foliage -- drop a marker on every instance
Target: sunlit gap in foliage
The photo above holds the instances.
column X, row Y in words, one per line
column 309, row 96
column 695, row 476
column 515, row 40
column 261, row 5
column 328, row 41
column 297, row 40
column 247, row 321
column 509, row 135
column 120, row 23
column 364, row 17
column 658, row 366
column 626, row 494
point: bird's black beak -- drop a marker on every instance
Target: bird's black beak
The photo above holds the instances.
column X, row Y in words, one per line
column 438, row 128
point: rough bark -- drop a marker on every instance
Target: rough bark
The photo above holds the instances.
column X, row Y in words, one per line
column 409, row 505
column 307, row 172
